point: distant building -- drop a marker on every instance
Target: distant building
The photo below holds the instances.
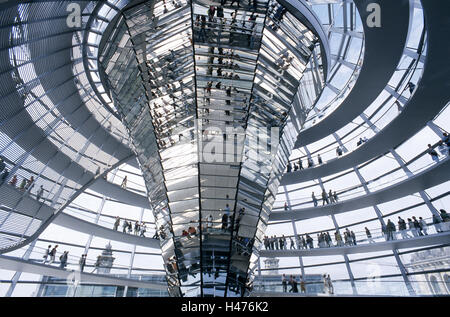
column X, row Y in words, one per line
column 105, row 260
column 272, row 265
column 436, row 283
column 56, row 287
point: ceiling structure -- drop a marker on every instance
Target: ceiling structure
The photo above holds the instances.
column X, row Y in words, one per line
column 203, row 111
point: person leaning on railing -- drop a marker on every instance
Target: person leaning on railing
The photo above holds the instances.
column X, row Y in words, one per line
column 445, row 219
column 434, row 155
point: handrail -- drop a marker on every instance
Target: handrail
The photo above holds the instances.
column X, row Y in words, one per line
column 368, row 183
column 361, row 236
column 411, row 71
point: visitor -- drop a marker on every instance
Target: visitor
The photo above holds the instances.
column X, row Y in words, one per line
column 338, row 151
column 143, row 229
column 335, row 196
column 82, row 262
column 22, row 184
column 192, row 231
column 302, row 285
column 411, row 87
column 445, row 220
column 136, row 228
column 390, row 228
column 292, row 244
column 346, row 239
column 13, row 181
column 294, row 285
column 437, row 223
column 3, row 176
column 444, row 215
column 291, row 283
column 284, row 283
column 402, row 228
column 224, row 221
column 328, row 239
column 446, row 139
column 2, row 165
column 443, row 148
column 383, row 231
column 330, row 285
column 52, row 254
column 423, row 226
column 417, row 226
column 331, row 197
column 369, row 235
column 434, row 155
column 324, row 198
column 124, row 182
column 309, row 241
column 46, row 254
column 289, row 167
column 30, row 183
column 116, row 223
column 352, row 234
column 314, row 199
column 63, row 259
column 325, row 284
column 266, row 242
column 338, row 238
column 320, row 240
column 412, row 227
column 39, row 193
column 349, row 237
column 360, row 141
column 319, row 159
column 209, row 222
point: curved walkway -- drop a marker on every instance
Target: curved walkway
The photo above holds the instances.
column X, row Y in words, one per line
column 80, row 225
column 432, row 91
column 125, row 196
column 434, row 239
column 304, row 13
column 49, row 47
column 439, row 173
column 384, row 48
column 20, row 265
column 108, row 189
column 27, row 205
